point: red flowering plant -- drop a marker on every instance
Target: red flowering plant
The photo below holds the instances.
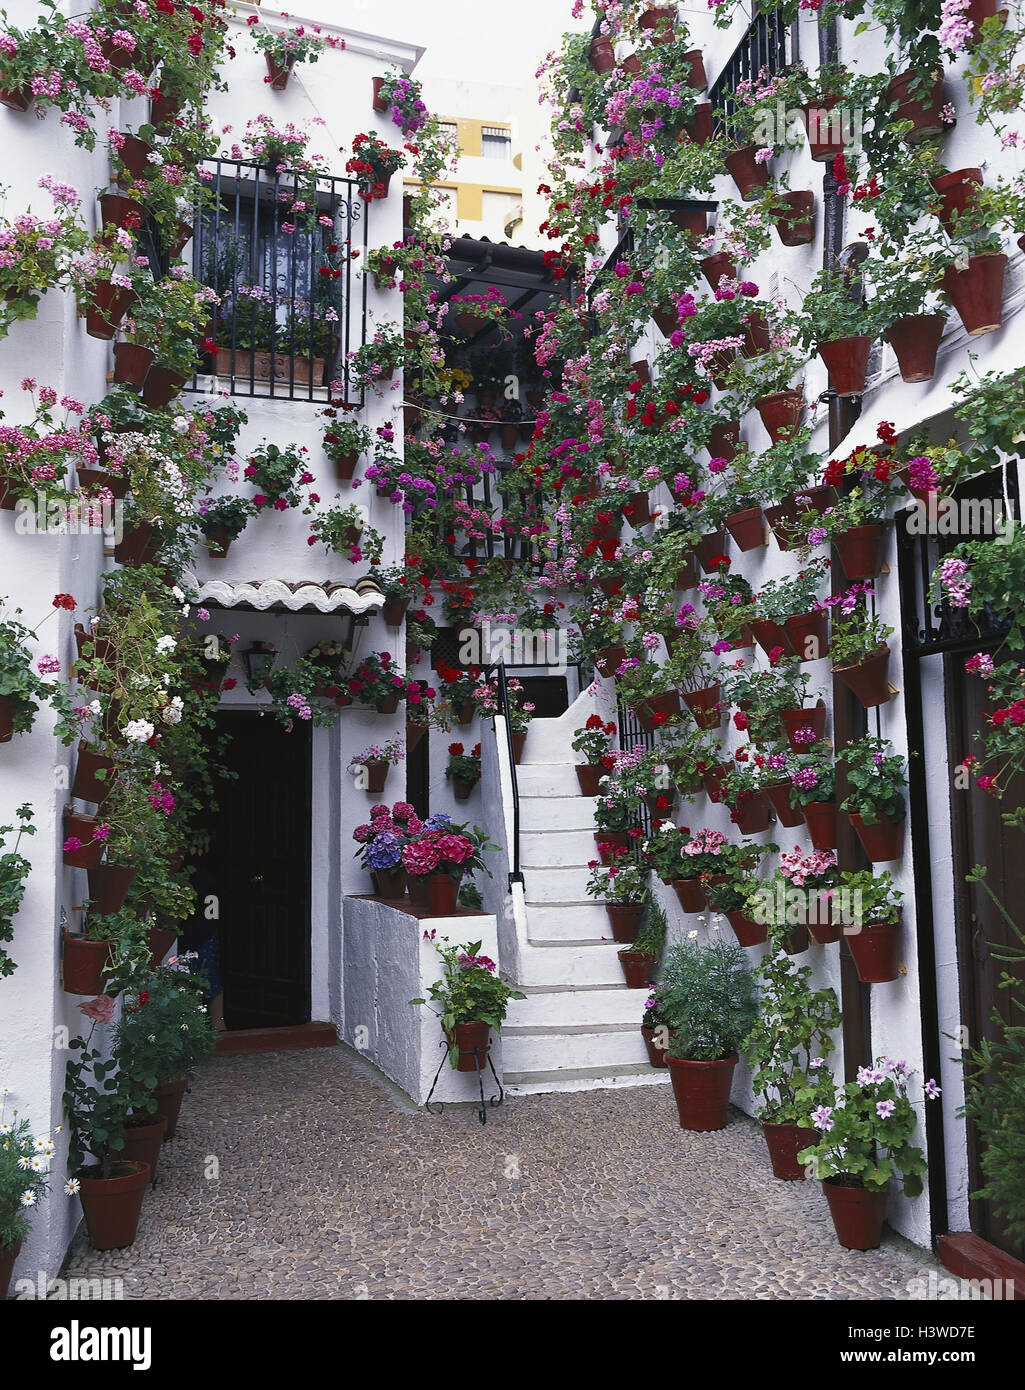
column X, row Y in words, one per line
column 276, row 474
column 373, row 162
column 463, row 766
column 458, row 686
column 624, row 882
column 869, row 481
column 761, row 693
column 747, row 775
column 375, row 680
column 594, row 740
column 1004, row 732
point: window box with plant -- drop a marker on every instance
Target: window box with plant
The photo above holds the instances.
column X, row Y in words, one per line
column 876, row 802
column 623, row 887
column 471, row 999
column 463, row 769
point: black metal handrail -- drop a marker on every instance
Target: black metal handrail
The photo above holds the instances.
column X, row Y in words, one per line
column 515, row 873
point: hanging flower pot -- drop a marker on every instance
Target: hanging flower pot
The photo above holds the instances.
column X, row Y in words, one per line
column 107, row 306
column 118, row 211
column 610, row 585
column 414, row 733
column 719, row 265
column 786, row 813
column 756, row 336
column 958, row 192
column 377, row 774
column 163, row 109
column 824, row 933
column 218, row 542
column 388, row 705
column 638, row 968
column 747, row 932
column 6, row 720
column 442, row 894
column 131, row 548
column 279, row 70
column 603, row 55
column 636, row 509
column 132, row 362
column 825, row 130
column 112, row 1206
column 691, row 894
column 83, row 828
column 711, row 780
column 159, row 940
column 86, row 785
column 519, row 742
column 745, row 638
column 724, row 439
column 747, row 528
column 699, row 127
column 465, row 714
column 345, row 466
column 589, row 775
column 16, row 98
column 687, row 575
column 798, row 722
column 781, row 519
column 144, row 1135
column 625, row 919
column 610, row 844
column 463, row 787
column 925, row 111
column 808, row 634
column 667, row 320
column 857, row 1214
column 977, row 293
column 747, row 173
column 820, row 818
column 692, row 221
column 109, row 885
column 652, row 1041
column 781, row 413
column 169, row 1096
column 660, row 22
column 162, row 386
column 133, row 158
column 380, row 105
column 389, row 883
column 667, row 704
column 784, row 1143
column 710, row 547
column 472, row 1041
column 698, row 79
column 915, row 340
column 704, row 706
column 752, row 813
column 796, row 226
column 769, row 634
column 861, row 551
column 846, row 361
column 876, row 952
column 794, row 938
column 881, row 842
column 868, row 679
column 85, row 964
column 702, row 1092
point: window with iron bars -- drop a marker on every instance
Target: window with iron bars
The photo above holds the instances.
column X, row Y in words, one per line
column 763, row 48
column 277, row 249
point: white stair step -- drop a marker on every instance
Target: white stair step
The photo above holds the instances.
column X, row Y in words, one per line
column 547, row 779
column 550, row 922
column 557, row 813
column 555, row 848
column 557, row 885
column 578, row 1008
column 562, row 1052
column 584, row 1079
column 566, row 964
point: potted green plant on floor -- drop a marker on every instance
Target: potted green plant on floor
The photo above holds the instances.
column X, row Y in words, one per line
column 24, row 1182
column 471, row 999
column 866, row 1127
column 708, row 998
column 786, row 1051
column 640, row 961
column 876, row 802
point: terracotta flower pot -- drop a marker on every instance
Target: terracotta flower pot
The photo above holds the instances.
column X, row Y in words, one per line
column 711, row 779
column 169, row 1096
column 686, row 576
column 796, row 226
column 667, row 320
column 603, row 54
column 846, row 361
column 612, row 840
column 389, row 883
column 162, row 386
column 16, row 98
column 638, row 968
column 862, row 550
column 395, row 610
column 784, row 1143
column 109, row 885
column 716, row 266
column 133, row 158
column 625, row 920
column 693, row 222
column 876, row 952
column 163, row 109
column 749, row 176
column 86, row 785
column 377, row 775
column 8, row 1254
column 462, row 788
column 820, row 818
column 345, row 466
column 473, row 1041
column 82, row 828
column 691, row 894
column 131, row 548
column 702, row 1092
column 704, row 706
column 958, row 192
column 636, row 509
column 793, row 937
column 924, row 112
column 660, row 22
column 6, row 720
column 589, row 775
column 132, row 362
column 112, row 1206
column 278, row 72
column 724, row 439
column 752, row 813
column 857, row 1215
column 119, row 211
column 915, row 340
column 756, row 336
column 977, row 293
column 419, row 893
column 781, row 413
column 709, row 548
column 218, row 542
column 824, row 128
column 442, row 894
column 388, row 705
column 786, row 813
column 699, row 127
column 667, row 704
column 978, row 12
column 881, row 842
column 519, row 743
column 160, row 941
column 656, row 1054
column 611, row 585
column 794, row 720
column 747, row 528
column 143, row 1141
column 824, row 933
column 808, row 634
column 379, row 103
column 747, row 932
column 781, row 519
column 107, row 306
column 769, row 634
column 868, row 680
column 85, row 964
column 465, row 714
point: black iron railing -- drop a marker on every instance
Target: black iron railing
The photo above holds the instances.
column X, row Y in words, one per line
column 763, row 47
column 515, row 873
column 519, row 507
column 277, row 250
column 634, row 739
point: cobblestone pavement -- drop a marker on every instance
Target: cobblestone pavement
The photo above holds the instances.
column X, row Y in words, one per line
column 332, row 1186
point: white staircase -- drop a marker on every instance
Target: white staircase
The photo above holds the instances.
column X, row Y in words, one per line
column 579, row 1026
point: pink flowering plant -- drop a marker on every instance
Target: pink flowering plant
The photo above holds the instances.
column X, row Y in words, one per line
column 470, row 990
column 485, row 696
column 812, row 775
column 35, row 456
column 857, row 631
column 36, row 253
column 444, row 847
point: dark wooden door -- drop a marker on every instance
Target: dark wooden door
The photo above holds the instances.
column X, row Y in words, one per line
column 982, row 838
column 261, row 859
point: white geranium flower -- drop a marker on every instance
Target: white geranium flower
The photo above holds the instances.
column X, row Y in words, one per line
column 166, row 644
column 139, row 731
column 180, row 425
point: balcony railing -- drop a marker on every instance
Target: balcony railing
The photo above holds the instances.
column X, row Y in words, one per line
column 276, row 248
column 764, row 46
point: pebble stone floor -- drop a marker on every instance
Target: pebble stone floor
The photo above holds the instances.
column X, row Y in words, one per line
column 333, row 1186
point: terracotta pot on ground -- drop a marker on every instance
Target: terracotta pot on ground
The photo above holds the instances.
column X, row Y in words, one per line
column 786, row 813
column 143, row 1141
column 724, row 439
column 160, row 940
column 699, row 127
column 749, row 176
column 112, row 1206
column 119, row 211
column 704, row 706
column 824, row 128
column 109, row 885
column 691, row 894
column 781, row 413
column 131, row 549
column 638, row 968
column 808, row 634
column 85, row 964
column 162, row 386
column 710, row 547
column 846, row 361
column 868, row 680
column 795, row 719
column 820, row 818
column 614, row 840
column 519, row 742
column 8, row 1255
column 716, row 266
column 442, row 892
column 86, row 786
column 958, row 192
column 881, row 842
column 747, row 528
column 770, row 634
column 861, row 551
column 625, row 920
column 747, row 932
column 132, row 362
column 462, row 788
column 169, row 1096
column 784, row 1143
column 923, row 111
column 977, row 293
column 752, row 813
column 389, row 883
column 589, row 775
column 279, row 72
column 915, row 340
column 473, row 1041
column 668, row 703
column 857, row 1215
column 796, row 226
column 107, row 306
column 656, row 1054
column 377, row 774
column 603, row 54
column 876, row 952
column 702, row 1092
column 82, row 828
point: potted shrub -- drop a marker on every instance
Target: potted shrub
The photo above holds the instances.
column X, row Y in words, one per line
column 623, row 887
column 708, row 998
column 786, row 1051
column 594, row 740
column 861, row 656
column 743, row 790
column 381, row 843
column 640, row 960
column 874, row 936
column 223, row 519
column 875, row 802
column 471, row 998
column 370, row 767
column 24, row 1182
column 463, row 770
column 866, row 1127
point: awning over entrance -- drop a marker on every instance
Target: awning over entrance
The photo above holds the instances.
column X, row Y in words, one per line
column 278, row 595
